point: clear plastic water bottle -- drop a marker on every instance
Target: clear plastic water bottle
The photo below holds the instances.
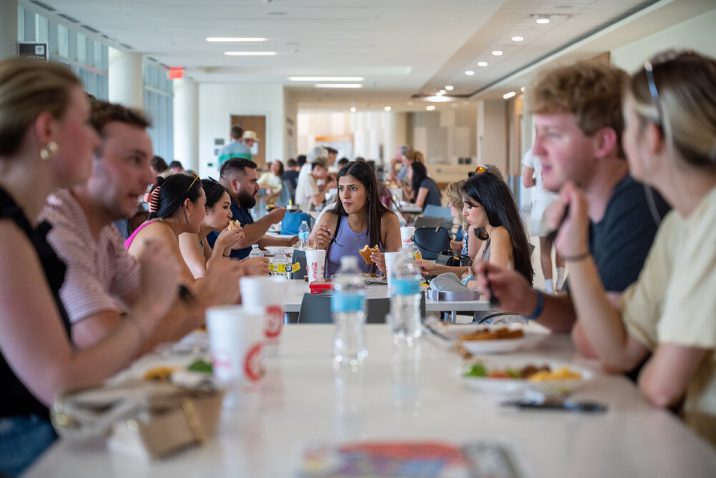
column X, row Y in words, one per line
column 405, row 297
column 348, row 309
column 255, row 251
column 303, row 232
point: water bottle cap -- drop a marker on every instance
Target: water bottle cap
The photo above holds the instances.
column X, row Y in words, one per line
column 349, row 261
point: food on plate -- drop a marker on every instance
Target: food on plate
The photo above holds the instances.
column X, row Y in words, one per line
column 233, row 224
column 502, row 333
column 367, row 251
column 530, row 372
column 201, row 366
column 159, row 374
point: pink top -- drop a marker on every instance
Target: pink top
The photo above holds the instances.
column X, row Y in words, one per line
column 130, row 239
column 100, row 272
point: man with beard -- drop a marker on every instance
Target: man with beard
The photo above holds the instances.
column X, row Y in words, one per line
column 239, row 177
column 103, row 281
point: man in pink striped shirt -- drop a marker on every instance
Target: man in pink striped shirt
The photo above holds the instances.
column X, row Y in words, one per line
column 103, row 282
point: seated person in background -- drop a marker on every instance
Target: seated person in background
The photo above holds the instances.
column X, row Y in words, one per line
column 467, row 247
column 47, row 145
column 177, row 168
column 195, row 249
column 159, row 167
column 309, row 193
column 291, row 173
column 425, row 190
column 102, row 279
column 177, row 205
column 578, row 121
column 670, row 312
column 490, row 211
column 358, row 219
column 271, row 181
column 239, row 178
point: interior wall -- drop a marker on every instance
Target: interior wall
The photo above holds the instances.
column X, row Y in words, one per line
column 218, row 101
column 444, row 136
column 696, row 33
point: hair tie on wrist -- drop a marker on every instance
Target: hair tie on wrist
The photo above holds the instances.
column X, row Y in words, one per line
column 577, row 257
column 538, row 308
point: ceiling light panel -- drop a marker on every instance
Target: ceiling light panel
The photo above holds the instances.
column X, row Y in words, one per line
column 338, row 85
column 325, row 78
column 249, row 53
column 234, row 39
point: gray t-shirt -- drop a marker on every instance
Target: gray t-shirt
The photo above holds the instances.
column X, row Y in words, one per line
column 433, row 192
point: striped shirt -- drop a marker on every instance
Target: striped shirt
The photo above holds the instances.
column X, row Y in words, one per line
column 100, row 272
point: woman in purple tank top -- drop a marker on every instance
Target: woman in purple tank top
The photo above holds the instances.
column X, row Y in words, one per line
column 358, row 219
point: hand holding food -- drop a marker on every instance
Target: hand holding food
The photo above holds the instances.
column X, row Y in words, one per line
column 367, row 252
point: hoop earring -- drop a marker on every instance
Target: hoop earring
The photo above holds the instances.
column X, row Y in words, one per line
column 48, row 151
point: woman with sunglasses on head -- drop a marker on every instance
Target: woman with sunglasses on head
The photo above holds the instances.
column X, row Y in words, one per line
column 195, row 249
column 359, row 219
column 492, row 215
column 46, row 143
column 177, row 205
column 670, row 142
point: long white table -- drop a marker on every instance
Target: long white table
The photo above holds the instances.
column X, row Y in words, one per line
column 304, row 400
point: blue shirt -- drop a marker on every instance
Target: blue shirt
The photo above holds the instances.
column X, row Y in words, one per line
column 242, row 215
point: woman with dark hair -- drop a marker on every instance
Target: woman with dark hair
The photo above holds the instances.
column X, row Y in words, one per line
column 425, row 190
column 358, row 219
column 491, row 212
column 176, row 205
column 195, row 249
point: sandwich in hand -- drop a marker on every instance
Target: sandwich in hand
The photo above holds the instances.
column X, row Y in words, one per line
column 233, row 224
column 367, row 251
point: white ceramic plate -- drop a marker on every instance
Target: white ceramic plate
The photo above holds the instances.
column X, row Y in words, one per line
column 506, row 386
column 528, row 341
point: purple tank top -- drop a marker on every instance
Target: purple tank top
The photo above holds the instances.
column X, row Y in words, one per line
column 346, row 243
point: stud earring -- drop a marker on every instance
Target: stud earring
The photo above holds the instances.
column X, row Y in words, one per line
column 48, row 151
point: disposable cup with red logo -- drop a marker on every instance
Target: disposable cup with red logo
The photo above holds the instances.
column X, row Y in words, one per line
column 266, row 295
column 236, row 340
column 315, row 264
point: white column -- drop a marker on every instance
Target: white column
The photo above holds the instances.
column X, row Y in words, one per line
column 492, row 133
column 126, row 78
column 8, row 28
column 186, row 123
column 396, row 134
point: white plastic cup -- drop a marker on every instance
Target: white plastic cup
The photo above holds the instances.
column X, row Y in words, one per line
column 265, row 295
column 236, row 339
column 406, row 235
column 397, row 192
column 315, row 264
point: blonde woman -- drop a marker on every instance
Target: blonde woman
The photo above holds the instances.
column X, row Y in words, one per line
column 467, row 247
column 670, row 142
column 46, row 143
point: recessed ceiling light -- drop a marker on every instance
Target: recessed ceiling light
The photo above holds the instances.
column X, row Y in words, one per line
column 522, row 89
column 469, row 72
column 233, row 39
column 387, row 108
column 338, row 85
column 449, row 87
column 518, row 38
column 430, row 107
column 509, row 95
column 541, row 19
column 497, row 52
column 440, row 93
column 249, row 53
column 325, row 78
column 353, row 109
column 482, row 64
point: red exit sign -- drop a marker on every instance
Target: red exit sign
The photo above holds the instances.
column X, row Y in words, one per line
column 176, row 73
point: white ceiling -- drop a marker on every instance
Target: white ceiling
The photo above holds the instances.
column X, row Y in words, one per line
column 401, row 47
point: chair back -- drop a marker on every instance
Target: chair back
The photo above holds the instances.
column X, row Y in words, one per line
column 316, row 309
column 444, row 213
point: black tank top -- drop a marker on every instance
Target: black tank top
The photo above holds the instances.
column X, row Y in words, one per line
column 15, row 398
